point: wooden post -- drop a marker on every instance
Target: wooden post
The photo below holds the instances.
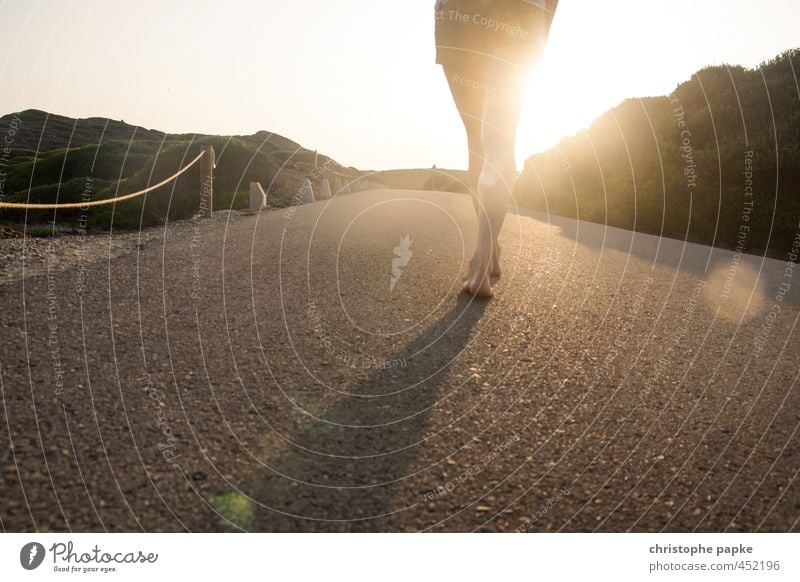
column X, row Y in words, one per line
column 207, row 182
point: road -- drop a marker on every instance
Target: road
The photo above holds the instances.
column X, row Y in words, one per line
column 262, row 373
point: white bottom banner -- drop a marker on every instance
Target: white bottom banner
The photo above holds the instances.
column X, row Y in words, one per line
column 379, row 557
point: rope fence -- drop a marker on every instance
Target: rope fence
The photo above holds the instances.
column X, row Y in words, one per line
column 331, row 185
column 25, row 205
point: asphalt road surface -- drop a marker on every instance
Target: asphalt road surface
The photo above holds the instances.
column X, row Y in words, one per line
column 317, row 370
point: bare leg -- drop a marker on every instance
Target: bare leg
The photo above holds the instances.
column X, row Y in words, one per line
column 471, row 102
column 498, row 134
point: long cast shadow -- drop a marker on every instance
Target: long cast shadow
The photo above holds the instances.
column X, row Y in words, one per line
column 340, row 478
column 696, row 260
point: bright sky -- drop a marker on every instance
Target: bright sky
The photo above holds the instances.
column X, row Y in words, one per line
column 355, row 79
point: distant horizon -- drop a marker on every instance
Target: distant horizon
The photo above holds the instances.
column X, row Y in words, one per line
column 356, row 80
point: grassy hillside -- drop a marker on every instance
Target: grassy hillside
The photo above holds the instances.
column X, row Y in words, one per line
column 58, row 159
column 41, row 131
column 717, row 162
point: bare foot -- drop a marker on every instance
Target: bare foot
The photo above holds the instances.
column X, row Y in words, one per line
column 481, row 269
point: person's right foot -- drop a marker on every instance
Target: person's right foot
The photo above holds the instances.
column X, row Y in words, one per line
column 481, row 269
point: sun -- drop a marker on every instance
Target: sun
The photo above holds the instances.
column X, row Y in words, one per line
column 559, row 102
column 586, row 70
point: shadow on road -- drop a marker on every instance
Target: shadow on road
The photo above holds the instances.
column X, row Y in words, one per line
column 714, row 265
column 338, row 475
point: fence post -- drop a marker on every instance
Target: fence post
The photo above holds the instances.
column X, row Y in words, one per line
column 325, row 189
column 308, row 192
column 207, row 182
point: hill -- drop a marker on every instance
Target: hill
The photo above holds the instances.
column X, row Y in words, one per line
column 425, row 179
column 717, row 162
column 53, row 158
column 41, row 131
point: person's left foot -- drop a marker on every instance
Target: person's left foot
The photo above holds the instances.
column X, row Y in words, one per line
column 482, row 267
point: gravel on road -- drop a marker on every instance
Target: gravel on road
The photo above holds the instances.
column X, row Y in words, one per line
column 316, row 369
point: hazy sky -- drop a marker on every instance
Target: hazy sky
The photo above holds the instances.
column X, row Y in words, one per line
column 355, row 79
